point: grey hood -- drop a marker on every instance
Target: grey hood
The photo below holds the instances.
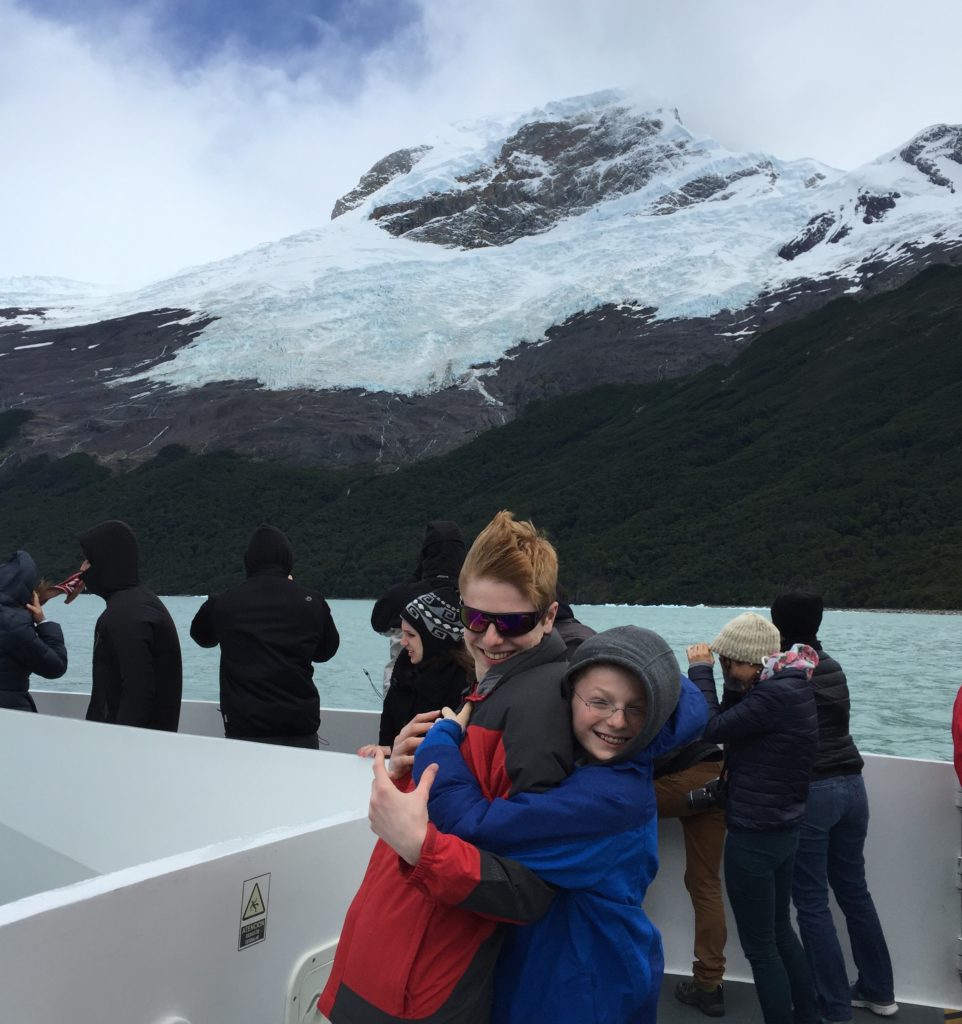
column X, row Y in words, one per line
column 644, row 654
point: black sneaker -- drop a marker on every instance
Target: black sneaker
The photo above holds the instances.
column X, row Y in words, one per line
column 709, row 1000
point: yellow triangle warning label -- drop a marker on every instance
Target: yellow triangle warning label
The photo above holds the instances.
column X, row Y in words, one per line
column 255, row 905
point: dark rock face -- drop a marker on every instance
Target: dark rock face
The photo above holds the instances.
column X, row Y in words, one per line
column 390, row 167
column 12, row 313
column 709, row 186
column 875, row 207
column 546, row 171
column 813, row 233
column 69, row 379
column 46, row 363
column 872, row 207
column 939, row 140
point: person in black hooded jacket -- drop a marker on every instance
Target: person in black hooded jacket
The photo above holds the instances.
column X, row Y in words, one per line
column 270, row 630
column 137, row 672
column 28, row 643
column 832, row 839
column 440, row 561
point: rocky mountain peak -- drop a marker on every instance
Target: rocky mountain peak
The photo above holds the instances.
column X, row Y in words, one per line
column 401, row 161
column 930, row 148
column 549, row 168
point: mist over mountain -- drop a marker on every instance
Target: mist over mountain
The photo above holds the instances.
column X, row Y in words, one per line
column 507, row 260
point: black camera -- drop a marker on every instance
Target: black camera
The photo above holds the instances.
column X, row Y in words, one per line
column 712, row 794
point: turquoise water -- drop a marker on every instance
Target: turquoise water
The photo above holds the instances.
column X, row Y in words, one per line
column 903, row 668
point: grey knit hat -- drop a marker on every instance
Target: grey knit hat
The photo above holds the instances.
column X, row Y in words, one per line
column 645, row 655
column 748, row 637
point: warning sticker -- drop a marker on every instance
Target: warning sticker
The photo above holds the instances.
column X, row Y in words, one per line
column 253, row 922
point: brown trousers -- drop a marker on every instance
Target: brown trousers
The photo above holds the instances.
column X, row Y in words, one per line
column 704, row 833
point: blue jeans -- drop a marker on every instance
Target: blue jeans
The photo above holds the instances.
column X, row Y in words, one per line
column 758, row 877
column 830, row 846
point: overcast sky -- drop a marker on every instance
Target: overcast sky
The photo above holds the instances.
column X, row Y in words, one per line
column 139, row 138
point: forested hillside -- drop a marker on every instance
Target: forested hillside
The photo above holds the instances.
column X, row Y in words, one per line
column 827, row 454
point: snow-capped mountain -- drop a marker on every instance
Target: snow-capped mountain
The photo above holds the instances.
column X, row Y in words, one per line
column 587, row 241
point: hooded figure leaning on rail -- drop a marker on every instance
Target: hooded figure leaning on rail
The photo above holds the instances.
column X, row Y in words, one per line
column 270, row 630
column 137, row 673
column 28, row 643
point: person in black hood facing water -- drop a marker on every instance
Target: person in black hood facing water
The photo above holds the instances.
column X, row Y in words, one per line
column 832, row 838
column 270, row 630
column 137, row 673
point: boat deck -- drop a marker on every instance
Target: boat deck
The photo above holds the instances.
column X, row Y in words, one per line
column 741, row 1007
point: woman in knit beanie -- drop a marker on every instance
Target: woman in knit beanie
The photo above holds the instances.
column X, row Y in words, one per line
column 768, row 726
column 742, row 645
column 432, row 671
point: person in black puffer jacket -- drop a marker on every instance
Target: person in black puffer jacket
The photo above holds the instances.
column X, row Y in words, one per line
column 433, row 669
column 271, row 630
column 137, row 670
column 832, row 839
column 769, row 728
column 28, row 643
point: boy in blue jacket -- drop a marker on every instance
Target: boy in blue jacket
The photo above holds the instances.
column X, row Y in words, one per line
column 594, row 956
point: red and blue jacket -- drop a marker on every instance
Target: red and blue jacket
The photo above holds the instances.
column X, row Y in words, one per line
column 594, row 957
column 411, row 951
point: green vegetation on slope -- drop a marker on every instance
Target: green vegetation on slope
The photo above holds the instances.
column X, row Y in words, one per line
column 828, row 454
column 10, row 422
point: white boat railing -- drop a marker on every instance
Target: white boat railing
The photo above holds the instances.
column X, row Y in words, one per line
column 342, row 730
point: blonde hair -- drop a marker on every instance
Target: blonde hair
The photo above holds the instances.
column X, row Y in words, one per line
column 516, row 553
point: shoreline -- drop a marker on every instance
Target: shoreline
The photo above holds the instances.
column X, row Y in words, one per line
column 765, row 608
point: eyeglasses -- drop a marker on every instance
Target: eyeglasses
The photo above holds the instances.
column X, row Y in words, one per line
column 605, row 709
column 506, row 623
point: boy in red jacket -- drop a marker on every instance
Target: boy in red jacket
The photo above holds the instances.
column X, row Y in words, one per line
column 403, row 956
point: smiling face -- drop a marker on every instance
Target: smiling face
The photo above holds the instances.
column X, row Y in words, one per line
column 490, row 648
column 412, row 642
column 601, row 735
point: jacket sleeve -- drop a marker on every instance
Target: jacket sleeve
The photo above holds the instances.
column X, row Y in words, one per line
column 202, row 630
column 455, row 873
column 567, row 835
column 330, row 639
column 40, row 649
column 957, row 734
column 757, row 713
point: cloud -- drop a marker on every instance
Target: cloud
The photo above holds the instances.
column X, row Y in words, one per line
column 131, row 153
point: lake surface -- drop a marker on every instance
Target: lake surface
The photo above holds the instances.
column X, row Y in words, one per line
column 903, row 668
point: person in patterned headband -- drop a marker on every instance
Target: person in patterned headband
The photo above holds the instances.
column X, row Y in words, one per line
column 436, row 617
column 431, row 672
